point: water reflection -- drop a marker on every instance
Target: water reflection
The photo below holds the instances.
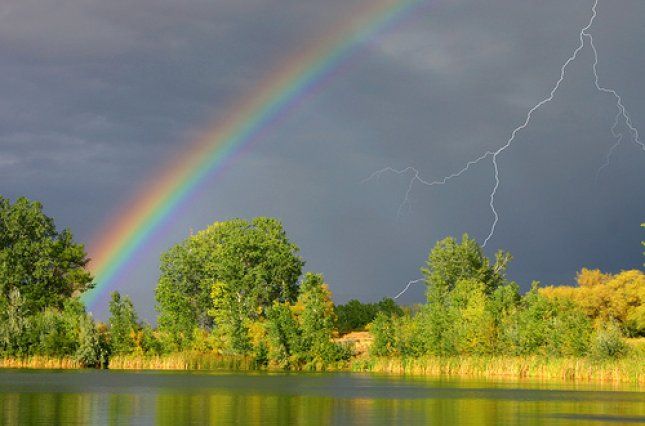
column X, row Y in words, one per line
column 28, row 397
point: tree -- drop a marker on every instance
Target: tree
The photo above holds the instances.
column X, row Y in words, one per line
column 300, row 335
column 283, row 336
column 438, row 318
column 503, row 305
column 607, row 298
column 474, row 324
column 383, row 330
column 255, row 260
column 123, row 324
column 45, row 265
column 14, row 325
column 549, row 327
column 229, row 319
column 317, row 315
column 450, row 261
column 89, row 348
column 355, row 315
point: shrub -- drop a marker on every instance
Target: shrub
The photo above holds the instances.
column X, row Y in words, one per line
column 383, row 331
column 608, row 343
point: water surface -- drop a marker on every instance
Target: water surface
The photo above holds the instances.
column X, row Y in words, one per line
column 116, row 397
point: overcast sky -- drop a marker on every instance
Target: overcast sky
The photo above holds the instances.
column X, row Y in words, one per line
column 96, row 95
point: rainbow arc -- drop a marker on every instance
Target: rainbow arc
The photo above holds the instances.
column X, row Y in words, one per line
column 138, row 220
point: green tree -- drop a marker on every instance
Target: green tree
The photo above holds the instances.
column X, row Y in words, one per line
column 229, row 318
column 14, row 325
column 149, row 343
column 438, row 317
column 47, row 266
column 473, row 327
column 409, row 340
column 56, row 332
column 317, row 318
column 50, row 334
column 88, row 352
column 608, row 343
column 355, row 315
column 254, row 259
column 123, row 324
column 450, row 261
column 300, row 336
column 549, row 327
column 389, row 306
column 283, row 336
column 383, row 330
column 503, row 305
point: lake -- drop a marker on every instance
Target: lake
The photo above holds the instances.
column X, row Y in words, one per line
column 153, row 397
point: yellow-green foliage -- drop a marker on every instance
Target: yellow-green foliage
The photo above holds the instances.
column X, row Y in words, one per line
column 476, row 333
column 606, row 297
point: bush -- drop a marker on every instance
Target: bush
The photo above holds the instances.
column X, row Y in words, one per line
column 607, row 342
column 408, row 336
column 89, row 350
column 544, row 326
column 383, row 331
column 355, row 316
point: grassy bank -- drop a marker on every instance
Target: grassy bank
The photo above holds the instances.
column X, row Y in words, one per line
column 38, row 362
column 630, row 369
column 182, row 361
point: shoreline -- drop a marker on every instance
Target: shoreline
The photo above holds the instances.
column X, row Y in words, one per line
column 629, row 370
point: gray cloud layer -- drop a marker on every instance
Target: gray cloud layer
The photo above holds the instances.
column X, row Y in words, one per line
column 97, row 95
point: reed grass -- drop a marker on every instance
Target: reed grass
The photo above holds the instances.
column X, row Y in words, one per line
column 40, row 362
column 189, row 360
column 630, row 369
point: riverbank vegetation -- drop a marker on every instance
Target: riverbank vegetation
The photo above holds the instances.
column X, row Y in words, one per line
column 234, row 296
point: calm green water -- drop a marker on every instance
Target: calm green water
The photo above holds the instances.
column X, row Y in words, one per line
column 112, row 397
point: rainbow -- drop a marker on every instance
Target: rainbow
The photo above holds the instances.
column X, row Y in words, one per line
column 133, row 226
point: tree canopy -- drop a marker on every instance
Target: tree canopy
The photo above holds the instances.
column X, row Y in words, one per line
column 355, row 315
column 607, row 298
column 45, row 265
column 450, row 261
column 252, row 260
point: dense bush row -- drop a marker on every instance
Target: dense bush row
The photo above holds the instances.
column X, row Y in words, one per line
column 236, row 289
column 473, row 310
column 66, row 332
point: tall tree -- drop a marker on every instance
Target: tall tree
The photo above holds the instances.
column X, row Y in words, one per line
column 45, row 265
column 230, row 319
column 13, row 325
column 450, row 261
column 254, row 260
column 317, row 315
column 283, row 336
column 123, row 324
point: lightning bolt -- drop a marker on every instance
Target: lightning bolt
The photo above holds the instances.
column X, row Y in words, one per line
column 408, row 286
column 621, row 116
column 619, row 138
column 622, row 111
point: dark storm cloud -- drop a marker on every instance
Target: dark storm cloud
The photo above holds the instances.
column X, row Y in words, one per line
column 96, row 96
